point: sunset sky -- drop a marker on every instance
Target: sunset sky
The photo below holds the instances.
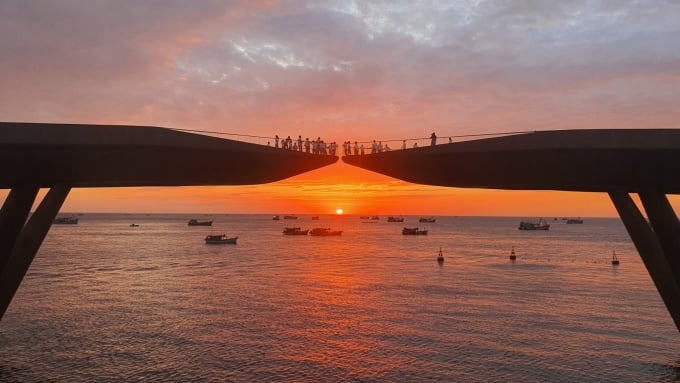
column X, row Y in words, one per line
column 342, row 70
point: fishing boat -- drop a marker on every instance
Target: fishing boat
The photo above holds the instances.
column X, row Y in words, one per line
column 294, row 231
column 440, row 256
column 65, row 221
column 413, row 231
column 290, row 217
column 134, row 225
column 395, row 219
column 512, row 254
column 427, row 220
column 540, row 225
column 615, row 260
column 276, row 218
column 375, row 217
column 572, row 221
column 364, row 217
column 220, row 239
column 315, row 218
column 324, row 232
column 195, row 222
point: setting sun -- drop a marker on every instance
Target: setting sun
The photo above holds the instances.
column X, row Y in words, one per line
column 338, row 212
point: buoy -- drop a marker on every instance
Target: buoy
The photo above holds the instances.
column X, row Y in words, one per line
column 615, row 261
column 512, row 254
column 440, row 257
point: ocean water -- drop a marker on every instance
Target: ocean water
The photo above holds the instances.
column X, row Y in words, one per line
column 107, row 302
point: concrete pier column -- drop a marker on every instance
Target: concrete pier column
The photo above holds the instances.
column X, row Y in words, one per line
column 652, row 253
column 13, row 216
column 666, row 226
column 28, row 243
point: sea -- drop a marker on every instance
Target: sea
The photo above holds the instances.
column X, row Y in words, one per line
column 106, row 302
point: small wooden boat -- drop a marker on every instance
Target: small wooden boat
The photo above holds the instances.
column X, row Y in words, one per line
column 540, row 225
column 195, row 222
column 65, row 221
column 220, row 239
column 324, row 232
column 134, row 225
column 276, row 218
column 413, row 231
column 294, row 231
column 427, row 220
column 395, row 219
column 615, row 260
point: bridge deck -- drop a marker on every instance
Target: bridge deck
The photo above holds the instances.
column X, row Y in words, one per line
column 113, row 155
column 572, row 160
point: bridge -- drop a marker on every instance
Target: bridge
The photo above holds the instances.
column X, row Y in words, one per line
column 65, row 156
column 617, row 162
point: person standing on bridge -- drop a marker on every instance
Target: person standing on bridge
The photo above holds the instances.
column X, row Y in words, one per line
column 299, row 143
column 307, row 144
column 433, row 137
column 276, row 141
column 403, row 145
column 356, row 148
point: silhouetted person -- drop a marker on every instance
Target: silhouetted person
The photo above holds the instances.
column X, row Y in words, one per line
column 276, row 141
column 403, row 145
column 433, row 137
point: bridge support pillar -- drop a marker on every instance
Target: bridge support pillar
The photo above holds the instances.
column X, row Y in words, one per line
column 13, row 216
column 28, row 241
column 658, row 244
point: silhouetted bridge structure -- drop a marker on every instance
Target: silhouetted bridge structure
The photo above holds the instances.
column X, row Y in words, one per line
column 617, row 162
column 64, row 156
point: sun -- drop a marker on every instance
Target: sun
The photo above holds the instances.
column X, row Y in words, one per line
column 339, row 211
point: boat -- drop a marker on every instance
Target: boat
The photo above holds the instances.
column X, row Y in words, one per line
column 615, row 260
column 194, row 222
column 219, row 239
column 294, row 231
column 134, row 225
column 276, row 218
column 324, row 232
column 413, row 231
column 290, row 217
column 395, row 219
column 315, row 218
column 375, row 218
column 364, row 217
column 572, row 221
column 65, row 221
column 512, row 254
column 440, row 256
column 540, row 225
column 427, row 220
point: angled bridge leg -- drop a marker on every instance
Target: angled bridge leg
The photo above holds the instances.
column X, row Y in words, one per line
column 28, row 241
column 658, row 244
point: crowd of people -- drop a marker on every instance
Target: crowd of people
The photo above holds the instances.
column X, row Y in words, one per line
column 320, row 147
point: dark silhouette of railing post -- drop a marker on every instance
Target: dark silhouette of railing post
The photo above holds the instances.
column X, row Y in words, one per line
column 29, row 239
column 658, row 244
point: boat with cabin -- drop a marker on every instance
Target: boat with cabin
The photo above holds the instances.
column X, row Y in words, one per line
column 427, row 220
column 195, row 222
column 220, row 239
column 276, row 218
column 413, row 231
column 294, row 231
column 65, row 221
column 395, row 219
column 324, row 232
column 290, row 217
column 572, row 221
column 540, row 225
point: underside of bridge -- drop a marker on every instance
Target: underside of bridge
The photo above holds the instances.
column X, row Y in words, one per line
column 64, row 156
column 613, row 161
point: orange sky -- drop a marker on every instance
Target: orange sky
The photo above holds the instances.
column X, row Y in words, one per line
column 342, row 70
